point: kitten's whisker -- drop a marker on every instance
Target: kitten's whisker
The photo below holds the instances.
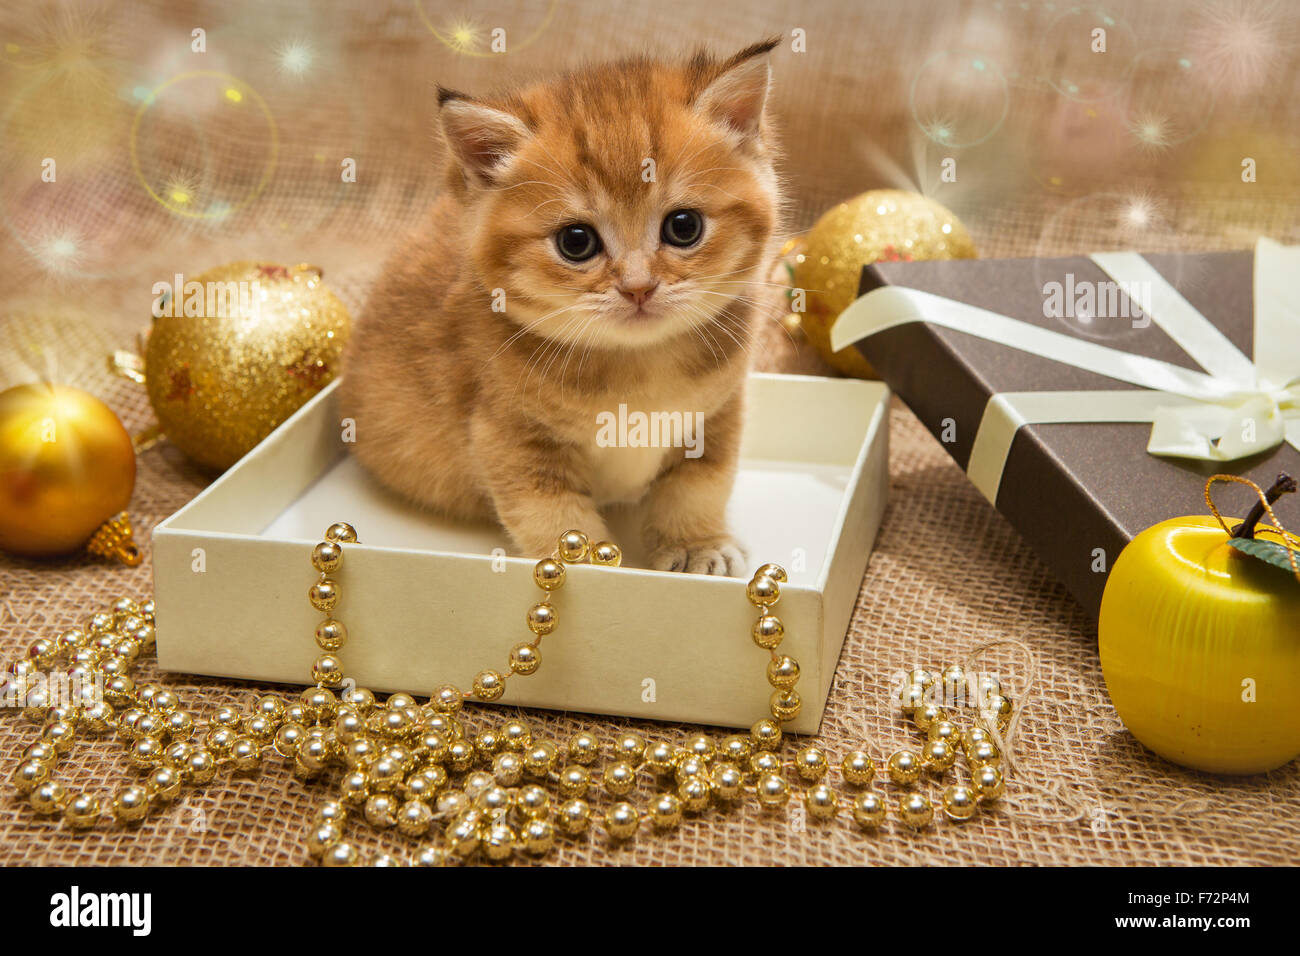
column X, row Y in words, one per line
column 585, row 333
column 568, row 348
column 526, row 182
column 736, row 296
column 554, row 295
column 545, row 202
column 591, row 343
column 717, row 169
column 560, row 341
column 766, row 282
column 717, row 187
column 524, row 330
column 766, row 314
column 726, row 329
column 702, row 147
column 713, row 319
column 690, row 139
column 773, row 317
column 530, row 366
column 699, row 332
column 551, row 156
column 559, row 175
column 733, row 272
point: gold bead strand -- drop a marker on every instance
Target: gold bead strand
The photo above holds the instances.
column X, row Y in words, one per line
column 573, row 547
column 764, row 591
column 331, row 635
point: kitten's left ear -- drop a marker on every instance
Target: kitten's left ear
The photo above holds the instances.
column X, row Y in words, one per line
column 738, row 92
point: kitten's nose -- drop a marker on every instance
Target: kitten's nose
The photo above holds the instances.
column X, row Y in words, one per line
column 640, row 292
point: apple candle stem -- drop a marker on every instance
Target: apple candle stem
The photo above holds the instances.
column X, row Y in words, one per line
column 1284, row 485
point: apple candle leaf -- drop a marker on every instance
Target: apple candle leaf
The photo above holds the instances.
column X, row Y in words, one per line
column 1270, row 552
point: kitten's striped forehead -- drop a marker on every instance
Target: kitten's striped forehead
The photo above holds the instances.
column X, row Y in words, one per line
column 602, row 125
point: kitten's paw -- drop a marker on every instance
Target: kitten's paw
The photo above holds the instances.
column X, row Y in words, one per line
column 722, row 556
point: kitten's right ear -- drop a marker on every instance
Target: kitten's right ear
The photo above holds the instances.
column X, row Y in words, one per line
column 482, row 138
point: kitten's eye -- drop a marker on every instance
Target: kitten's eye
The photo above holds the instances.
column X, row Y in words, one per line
column 682, row 227
column 577, row 243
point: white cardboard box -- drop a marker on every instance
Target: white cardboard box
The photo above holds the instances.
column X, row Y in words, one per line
column 426, row 601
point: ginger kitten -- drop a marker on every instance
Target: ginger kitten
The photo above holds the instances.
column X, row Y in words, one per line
column 598, row 244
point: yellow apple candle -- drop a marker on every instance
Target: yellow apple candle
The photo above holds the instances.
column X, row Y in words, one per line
column 1200, row 644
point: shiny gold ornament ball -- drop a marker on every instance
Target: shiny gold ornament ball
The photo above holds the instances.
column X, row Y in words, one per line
column 868, row 810
column 959, row 803
column 500, row 842
column 537, row 837
column 811, row 764
column 726, row 781
column 66, row 467
column 984, row 753
column 988, row 783
column 915, row 810
column 82, row 812
column 772, row 791
column 927, row 715
column 786, row 704
column 858, row 768
column 736, row 749
column 660, row 759
column 49, row 798
column 904, row 767
column 340, row 854
column 880, row 225
column 939, row 756
column 240, row 349
column 766, row 734
column 130, row 804
column 666, row 811
column 695, row 793
column 573, row 816
column 821, row 802
column 622, row 821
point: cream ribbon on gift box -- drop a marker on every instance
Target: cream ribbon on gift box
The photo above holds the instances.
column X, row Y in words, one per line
column 1234, row 408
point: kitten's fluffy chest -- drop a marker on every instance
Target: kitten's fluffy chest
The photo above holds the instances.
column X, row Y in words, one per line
column 623, row 474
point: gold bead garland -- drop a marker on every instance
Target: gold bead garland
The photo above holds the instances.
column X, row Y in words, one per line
column 496, row 794
column 764, row 591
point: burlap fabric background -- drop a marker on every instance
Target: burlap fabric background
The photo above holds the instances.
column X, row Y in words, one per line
column 1057, row 175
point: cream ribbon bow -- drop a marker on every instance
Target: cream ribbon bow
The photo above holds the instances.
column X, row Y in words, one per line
column 1235, row 408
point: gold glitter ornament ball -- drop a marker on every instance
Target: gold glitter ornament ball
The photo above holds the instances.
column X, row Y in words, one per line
column 883, row 225
column 236, row 351
column 66, row 467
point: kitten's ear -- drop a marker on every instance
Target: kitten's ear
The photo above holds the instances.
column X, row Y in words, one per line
column 737, row 94
column 482, row 138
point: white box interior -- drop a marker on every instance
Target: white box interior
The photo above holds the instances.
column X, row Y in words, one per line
column 812, row 494
column 808, row 496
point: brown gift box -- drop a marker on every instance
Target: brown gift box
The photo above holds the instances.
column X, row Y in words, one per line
column 1069, row 489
